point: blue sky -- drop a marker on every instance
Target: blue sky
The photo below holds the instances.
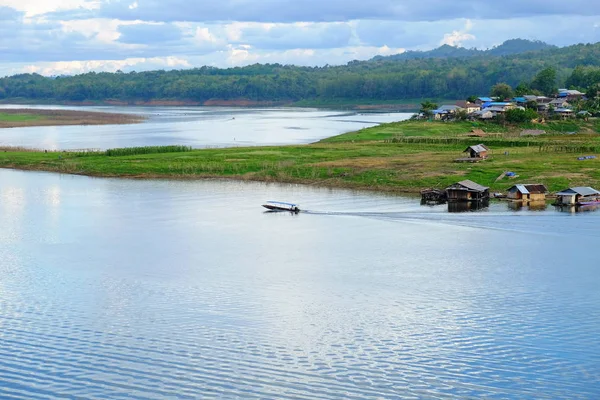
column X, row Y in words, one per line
column 74, row 36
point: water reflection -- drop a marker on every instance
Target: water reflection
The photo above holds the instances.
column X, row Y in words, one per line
column 467, row 206
column 531, row 205
column 199, row 127
column 161, row 289
column 572, row 209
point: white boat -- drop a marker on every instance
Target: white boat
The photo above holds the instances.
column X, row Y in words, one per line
column 281, row 206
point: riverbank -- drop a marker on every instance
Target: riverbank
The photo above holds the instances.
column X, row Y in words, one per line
column 13, row 118
column 400, row 157
column 410, row 105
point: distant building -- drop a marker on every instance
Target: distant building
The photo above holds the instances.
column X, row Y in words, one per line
column 467, row 191
column 577, row 196
column 564, row 112
column 484, row 114
column 570, row 94
column 477, row 151
column 469, row 107
column 498, row 106
column 528, row 192
column 481, row 100
column 559, row 103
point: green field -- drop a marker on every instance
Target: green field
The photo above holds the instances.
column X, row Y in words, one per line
column 403, row 157
column 18, row 117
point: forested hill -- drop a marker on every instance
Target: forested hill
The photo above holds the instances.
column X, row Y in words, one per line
column 509, row 47
column 358, row 81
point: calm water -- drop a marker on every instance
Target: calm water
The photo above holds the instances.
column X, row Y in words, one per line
column 123, row 289
column 198, row 127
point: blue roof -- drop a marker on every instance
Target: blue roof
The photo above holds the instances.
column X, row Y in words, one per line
column 563, row 94
column 496, row 104
column 485, row 99
column 520, row 99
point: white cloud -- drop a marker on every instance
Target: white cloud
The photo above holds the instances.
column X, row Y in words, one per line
column 456, row 38
column 79, row 67
column 37, row 7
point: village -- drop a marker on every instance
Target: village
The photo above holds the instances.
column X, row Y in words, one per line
column 561, row 106
column 474, row 196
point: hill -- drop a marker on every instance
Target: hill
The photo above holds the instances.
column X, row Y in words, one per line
column 358, row 82
column 509, row 47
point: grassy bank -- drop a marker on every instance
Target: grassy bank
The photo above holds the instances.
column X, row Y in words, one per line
column 402, row 157
column 13, row 118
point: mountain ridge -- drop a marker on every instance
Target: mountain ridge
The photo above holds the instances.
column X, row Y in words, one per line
column 508, row 47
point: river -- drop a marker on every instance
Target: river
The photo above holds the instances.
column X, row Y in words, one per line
column 131, row 289
column 199, row 127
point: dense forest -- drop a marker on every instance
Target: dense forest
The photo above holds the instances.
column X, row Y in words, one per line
column 381, row 79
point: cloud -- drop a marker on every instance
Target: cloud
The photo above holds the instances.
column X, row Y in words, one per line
column 339, row 10
column 456, row 38
column 146, row 33
column 128, row 64
column 290, row 36
column 37, row 7
column 77, row 35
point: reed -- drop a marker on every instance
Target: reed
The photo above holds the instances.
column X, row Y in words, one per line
column 132, row 151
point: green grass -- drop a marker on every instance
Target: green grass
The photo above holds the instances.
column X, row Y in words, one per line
column 389, row 157
column 18, row 117
column 132, row 151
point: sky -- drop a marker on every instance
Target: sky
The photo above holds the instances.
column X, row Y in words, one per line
column 56, row 37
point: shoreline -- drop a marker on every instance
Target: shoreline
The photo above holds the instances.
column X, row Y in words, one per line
column 402, row 157
column 28, row 117
column 366, row 106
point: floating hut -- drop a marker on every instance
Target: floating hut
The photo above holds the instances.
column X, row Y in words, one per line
column 577, row 196
column 433, row 196
column 467, row 191
column 528, row 192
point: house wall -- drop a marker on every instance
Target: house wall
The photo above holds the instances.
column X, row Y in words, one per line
column 567, row 199
column 537, row 197
column 459, row 195
column 516, row 195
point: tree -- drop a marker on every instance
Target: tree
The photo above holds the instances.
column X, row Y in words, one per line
column 502, row 91
column 427, row 108
column 517, row 116
column 472, row 99
column 522, row 89
column 545, row 81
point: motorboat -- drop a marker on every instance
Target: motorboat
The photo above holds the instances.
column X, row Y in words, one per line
column 281, row 206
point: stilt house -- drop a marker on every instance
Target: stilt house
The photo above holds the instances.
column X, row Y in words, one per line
column 528, row 192
column 577, row 196
column 467, row 191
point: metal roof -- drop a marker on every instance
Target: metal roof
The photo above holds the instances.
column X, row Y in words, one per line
column 485, row 99
column 580, row 190
column 472, row 185
column 478, row 148
column 449, row 107
column 522, row 189
column 529, row 188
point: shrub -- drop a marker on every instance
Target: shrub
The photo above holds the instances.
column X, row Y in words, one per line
column 131, row 151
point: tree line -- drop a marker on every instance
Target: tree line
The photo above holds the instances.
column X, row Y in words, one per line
column 374, row 80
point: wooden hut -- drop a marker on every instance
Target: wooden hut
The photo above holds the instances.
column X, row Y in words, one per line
column 477, row 151
column 577, row 196
column 467, row 191
column 528, row 192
